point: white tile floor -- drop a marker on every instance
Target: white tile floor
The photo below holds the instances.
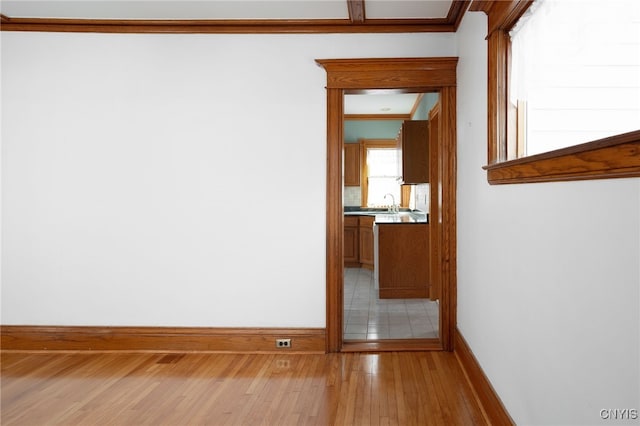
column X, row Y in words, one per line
column 366, row 317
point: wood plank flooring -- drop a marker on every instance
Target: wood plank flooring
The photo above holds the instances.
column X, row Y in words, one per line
column 112, row 388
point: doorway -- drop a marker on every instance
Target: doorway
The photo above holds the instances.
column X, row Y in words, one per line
column 397, row 309
column 400, row 74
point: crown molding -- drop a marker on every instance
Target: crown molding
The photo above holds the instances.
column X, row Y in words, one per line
column 326, row 26
column 356, row 23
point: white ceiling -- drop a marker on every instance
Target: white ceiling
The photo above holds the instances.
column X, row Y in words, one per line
column 395, row 9
column 221, row 9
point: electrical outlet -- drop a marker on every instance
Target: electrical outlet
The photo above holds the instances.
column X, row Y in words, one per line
column 283, row 343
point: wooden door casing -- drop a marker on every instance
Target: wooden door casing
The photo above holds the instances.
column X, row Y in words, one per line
column 403, row 74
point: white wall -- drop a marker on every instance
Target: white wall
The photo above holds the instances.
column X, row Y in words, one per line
column 170, row 180
column 548, row 275
column 148, row 179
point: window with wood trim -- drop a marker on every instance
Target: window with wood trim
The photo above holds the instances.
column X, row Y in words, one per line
column 583, row 155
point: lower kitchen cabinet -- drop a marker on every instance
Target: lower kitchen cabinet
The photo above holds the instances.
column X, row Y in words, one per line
column 365, row 229
column 358, row 241
column 351, row 251
column 403, row 265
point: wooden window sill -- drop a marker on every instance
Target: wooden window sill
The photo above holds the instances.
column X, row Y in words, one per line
column 614, row 157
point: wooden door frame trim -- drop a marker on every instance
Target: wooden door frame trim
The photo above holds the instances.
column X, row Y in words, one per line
column 411, row 75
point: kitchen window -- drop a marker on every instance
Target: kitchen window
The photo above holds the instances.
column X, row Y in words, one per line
column 382, row 166
column 550, row 119
column 380, row 173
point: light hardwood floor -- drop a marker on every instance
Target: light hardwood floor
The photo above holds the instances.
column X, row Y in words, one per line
column 392, row 388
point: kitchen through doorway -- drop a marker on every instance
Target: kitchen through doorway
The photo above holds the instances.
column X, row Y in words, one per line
column 373, row 184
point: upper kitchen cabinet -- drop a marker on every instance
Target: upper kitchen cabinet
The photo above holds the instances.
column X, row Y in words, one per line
column 351, row 164
column 413, row 144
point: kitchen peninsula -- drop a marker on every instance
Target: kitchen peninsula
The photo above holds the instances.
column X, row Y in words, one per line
column 399, row 242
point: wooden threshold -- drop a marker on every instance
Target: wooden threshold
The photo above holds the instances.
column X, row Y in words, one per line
column 391, row 345
column 161, row 339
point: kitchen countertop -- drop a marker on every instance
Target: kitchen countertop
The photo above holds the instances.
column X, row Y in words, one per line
column 382, row 216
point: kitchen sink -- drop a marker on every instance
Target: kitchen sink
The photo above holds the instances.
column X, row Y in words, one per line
column 374, row 210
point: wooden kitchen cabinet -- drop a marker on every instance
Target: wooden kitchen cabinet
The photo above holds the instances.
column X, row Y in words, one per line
column 365, row 229
column 351, row 251
column 358, row 241
column 413, row 144
column 351, row 164
column 403, row 265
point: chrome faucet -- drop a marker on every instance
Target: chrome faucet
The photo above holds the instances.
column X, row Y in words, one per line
column 393, row 208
